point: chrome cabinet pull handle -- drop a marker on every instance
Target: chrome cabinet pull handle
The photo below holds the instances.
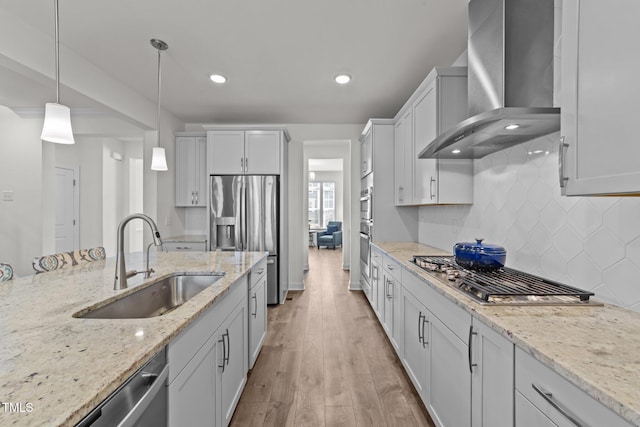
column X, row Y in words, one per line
column 246, row 164
column 197, row 196
column 255, row 299
column 561, row 152
column 431, row 181
column 400, row 193
column 548, row 396
column 424, row 339
column 223, row 352
column 470, row 348
column 420, row 335
column 241, row 164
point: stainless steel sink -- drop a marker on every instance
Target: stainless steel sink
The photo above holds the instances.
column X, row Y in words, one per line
column 156, row 299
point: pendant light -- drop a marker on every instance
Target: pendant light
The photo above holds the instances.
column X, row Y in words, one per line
column 158, row 159
column 57, row 117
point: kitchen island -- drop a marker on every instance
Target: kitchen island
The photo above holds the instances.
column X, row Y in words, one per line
column 592, row 347
column 55, row 368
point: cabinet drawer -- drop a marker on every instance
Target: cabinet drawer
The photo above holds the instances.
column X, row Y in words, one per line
column 557, row 398
column 185, row 346
column 392, row 267
column 454, row 317
column 185, row 246
column 258, row 271
column 376, row 255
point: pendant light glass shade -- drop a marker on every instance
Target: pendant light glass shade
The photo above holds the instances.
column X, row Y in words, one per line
column 57, row 124
column 158, row 160
column 57, row 117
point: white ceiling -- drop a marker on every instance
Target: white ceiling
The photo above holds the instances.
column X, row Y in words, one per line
column 280, row 55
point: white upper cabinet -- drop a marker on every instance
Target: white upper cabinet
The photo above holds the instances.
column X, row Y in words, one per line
column 439, row 103
column 403, row 159
column 191, row 173
column 366, row 154
column 600, row 91
column 238, row 152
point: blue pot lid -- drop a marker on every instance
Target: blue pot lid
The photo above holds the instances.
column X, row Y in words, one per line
column 479, row 246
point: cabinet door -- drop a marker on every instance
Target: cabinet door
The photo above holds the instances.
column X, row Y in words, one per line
column 366, row 153
column 599, row 101
column 425, row 129
column 415, row 342
column 225, row 152
column 380, row 293
column 388, row 306
column 186, row 155
column 192, row 393
column 449, row 377
column 257, row 319
column 527, row 415
column 262, row 151
column 231, row 352
column 396, row 323
column 492, row 377
column 375, row 275
column 200, row 172
column 403, row 159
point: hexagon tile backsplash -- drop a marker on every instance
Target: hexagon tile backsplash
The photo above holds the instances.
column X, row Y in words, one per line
column 589, row 242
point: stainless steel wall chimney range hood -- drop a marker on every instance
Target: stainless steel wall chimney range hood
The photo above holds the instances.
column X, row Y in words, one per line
column 510, row 55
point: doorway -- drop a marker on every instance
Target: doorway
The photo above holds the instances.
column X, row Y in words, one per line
column 67, row 209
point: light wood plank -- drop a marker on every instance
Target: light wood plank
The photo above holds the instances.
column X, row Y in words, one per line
column 327, row 361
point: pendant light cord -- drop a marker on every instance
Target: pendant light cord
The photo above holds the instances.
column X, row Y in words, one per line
column 57, row 54
column 159, row 86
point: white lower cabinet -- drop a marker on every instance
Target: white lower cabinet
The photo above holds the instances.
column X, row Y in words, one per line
column 539, row 389
column 231, row 373
column 491, row 365
column 449, row 397
column 208, row 363
column 192, row 394
column 257, row 318
column 415, row 352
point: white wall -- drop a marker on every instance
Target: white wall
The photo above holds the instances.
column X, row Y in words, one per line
column 21, row 172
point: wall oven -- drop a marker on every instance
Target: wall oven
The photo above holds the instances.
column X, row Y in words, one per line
column 366, row 207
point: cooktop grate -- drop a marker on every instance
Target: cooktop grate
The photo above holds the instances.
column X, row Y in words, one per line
column 495, row 286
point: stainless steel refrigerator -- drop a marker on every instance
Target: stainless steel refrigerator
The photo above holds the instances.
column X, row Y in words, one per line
column 243, row 216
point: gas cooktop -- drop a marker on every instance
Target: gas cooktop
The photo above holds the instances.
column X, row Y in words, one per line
column 505, row 286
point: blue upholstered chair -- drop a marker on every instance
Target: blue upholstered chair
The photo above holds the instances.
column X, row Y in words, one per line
column 332, row 237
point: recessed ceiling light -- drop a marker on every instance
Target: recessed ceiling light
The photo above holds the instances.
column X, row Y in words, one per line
column 342, row 79
column 512, row 127
column 456, row 151
column 218, row 78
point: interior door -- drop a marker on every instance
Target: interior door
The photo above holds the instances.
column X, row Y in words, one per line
column 66, row 221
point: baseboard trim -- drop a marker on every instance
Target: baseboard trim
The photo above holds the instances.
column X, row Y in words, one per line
column 354, row 286
column 296, row 286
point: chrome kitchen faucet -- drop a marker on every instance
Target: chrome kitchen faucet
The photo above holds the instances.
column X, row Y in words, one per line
column 120, row 281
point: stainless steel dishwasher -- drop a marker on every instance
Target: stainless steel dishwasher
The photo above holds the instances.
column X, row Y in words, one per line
column 141, row 401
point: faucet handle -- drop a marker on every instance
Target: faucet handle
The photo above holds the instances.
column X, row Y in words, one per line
column 132, row 273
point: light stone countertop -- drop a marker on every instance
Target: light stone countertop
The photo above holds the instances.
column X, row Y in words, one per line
column 597, row 348
column 65, row 366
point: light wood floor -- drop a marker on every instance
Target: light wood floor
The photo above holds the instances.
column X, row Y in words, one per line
column 326, row 361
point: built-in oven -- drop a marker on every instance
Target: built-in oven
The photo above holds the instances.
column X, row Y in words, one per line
column 366, row 205
column 366, row 232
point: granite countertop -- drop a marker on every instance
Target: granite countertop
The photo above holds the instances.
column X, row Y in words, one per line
column 597, row 348
column 57, row 367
